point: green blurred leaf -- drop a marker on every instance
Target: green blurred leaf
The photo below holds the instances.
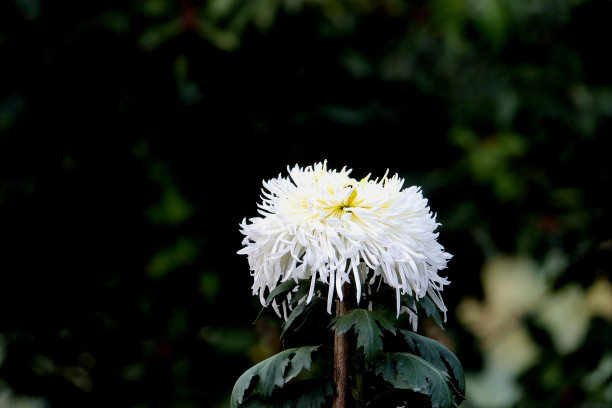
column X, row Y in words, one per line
column 115, row 21
column 29, row 8
column 178, row 323
column 492, row 19
column 344, row 114
column 209, row 283
column 156, row 8
column 173, row 209
column 228, row 340
column 10, row 109
column 180, row 254
column 155, row 36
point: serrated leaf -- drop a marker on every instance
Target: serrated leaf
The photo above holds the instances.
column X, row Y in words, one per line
column 301, row 360
column 272, row 372
column 431, row 310
column 297, row 312
column 288, row 286
column 302, row 291
column 411, row 372
column 438, row 355
column 368, row 327
column 313, row 393
column 315, row 396
column 257, row 403
column 281, row 289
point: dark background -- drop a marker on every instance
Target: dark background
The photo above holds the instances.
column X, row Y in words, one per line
column 134, row 137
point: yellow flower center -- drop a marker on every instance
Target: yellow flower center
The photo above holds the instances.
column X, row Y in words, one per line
column 338, row 210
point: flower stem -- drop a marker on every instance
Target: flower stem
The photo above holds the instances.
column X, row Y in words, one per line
column 341, row 352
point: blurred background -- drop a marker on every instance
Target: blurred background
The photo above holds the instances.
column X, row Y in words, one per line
column 134, row 137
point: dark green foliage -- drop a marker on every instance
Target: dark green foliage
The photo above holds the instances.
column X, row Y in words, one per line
column 410, row 372
column 437, row 355
column 388, row 366
column 368, row 326
column 313, row 393
column 279, row 291
column 301, row 313
column 425, row 366
column 283, row 289
column 425, row 306
column 309, row 327
column 431, row 310
column 295, row 313
column 273, row 372
column 301, row 317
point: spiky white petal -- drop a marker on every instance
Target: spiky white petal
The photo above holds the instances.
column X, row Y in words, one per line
column 321, row 224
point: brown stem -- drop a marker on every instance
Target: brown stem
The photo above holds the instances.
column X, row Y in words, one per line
column 341, row 352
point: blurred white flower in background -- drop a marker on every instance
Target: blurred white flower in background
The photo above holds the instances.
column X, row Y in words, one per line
column 515, row 288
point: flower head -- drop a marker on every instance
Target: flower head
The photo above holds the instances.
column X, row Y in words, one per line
column 324, row 225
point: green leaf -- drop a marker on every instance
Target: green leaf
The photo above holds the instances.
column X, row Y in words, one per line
column 257, row 403
column 261, row 311
column 301, row 360
column 438, row 355
column 281, row 289
column 286, row 287
column 302, row 291
column 180, row 254
column 272, row 372
column 368, row 327
column 410, row 372
column 299, row 310
column 313, row 393
column 431, row 310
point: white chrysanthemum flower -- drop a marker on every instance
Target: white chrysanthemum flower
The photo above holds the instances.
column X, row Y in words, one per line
column 321, row 224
